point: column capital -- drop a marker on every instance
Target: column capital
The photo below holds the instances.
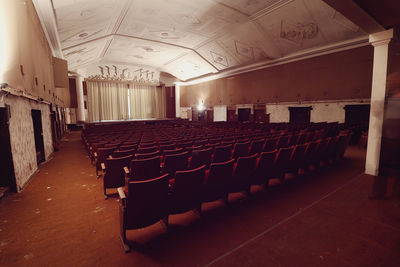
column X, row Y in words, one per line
column 381, row 38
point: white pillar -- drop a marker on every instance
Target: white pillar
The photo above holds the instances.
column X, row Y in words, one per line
column 177, row 101
column 380, row 41
column 80, row 111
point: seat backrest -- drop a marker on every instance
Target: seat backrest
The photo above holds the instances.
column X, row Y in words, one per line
column 241, row 150
column 220, row 173
column 265, row 164
column 222, row 153
column 282, row 157
column 144, row 150
column 293, row 140
column 147, row 144
column 176, row 162
column 146, row 202
column 244, row 167
column 128, row 147
column 173, row 151
column 104, row 152
column 142, row 169
column 201, row 157
column 123, row 153
column 115, row 175
column 283, row 141
column 163, row 148
column 270, row 144
column 147, row 155
column 185, row 193
column 256, row 146
column 298, row 153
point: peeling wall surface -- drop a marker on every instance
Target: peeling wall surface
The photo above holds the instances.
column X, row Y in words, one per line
column 321, row 111
column 22, row 136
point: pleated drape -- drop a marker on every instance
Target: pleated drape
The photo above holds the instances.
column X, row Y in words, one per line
column 110, row 101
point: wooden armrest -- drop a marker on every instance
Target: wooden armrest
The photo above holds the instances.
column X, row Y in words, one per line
column 122, row 195
column 103, row 166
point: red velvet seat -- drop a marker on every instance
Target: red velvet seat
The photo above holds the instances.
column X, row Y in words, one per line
column 144, row 150
column 185, row 192
column 297, row 158
column 145, row 203
column 270, row 144
column 309, row 155
column 242, row 172
column 256, row 146
column 162, row 148
column 222, row 153
column 147, row 155
column 281, row 164
column 101, row 155
column 240, row 150
column 283, row 142
column 113, row 172
column 217, row 181
column 264, row 168
column 143, row 169
column 123, row 153
column 200, row 157
column 175, row 162
column 173, row 151
column 128, row 147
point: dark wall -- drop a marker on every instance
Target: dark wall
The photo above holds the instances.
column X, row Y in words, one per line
column 342, row 75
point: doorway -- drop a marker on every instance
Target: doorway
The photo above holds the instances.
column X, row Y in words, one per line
column 244, row 114
column 357, row 114
column 300, row 114
column 7, row 178
column 38, row 132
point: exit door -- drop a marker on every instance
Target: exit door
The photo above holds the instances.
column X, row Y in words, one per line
column 38, row 132
column 7, row 178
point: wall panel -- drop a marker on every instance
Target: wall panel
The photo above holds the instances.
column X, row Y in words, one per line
column 342, row 75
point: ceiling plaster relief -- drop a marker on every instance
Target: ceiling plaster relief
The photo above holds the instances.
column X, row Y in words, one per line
column 80, row 20
column 123, row 73
column 195, row 37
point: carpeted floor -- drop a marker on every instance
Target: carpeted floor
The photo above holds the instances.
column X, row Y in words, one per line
column 320, row 219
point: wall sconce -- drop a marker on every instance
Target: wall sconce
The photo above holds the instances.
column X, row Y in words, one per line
column 201, row 107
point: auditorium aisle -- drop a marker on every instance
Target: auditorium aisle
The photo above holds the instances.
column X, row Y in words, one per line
column 321, row 219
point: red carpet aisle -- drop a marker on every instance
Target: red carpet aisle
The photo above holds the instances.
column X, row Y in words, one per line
column 321, row 219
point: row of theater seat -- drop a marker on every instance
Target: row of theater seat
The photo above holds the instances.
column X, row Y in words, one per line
column 241, row 147
column 144, row 202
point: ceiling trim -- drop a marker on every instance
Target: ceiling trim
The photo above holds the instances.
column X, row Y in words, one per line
column 270, row 9
column 47, row 18
column 302, row 55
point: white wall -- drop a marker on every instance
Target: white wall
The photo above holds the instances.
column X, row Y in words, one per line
column 220, row 113
column 329, row 111
column 22, row 136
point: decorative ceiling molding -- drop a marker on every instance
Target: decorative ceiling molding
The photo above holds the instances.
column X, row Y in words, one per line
column 310, row 53
column 47, row 19
column 207, row 36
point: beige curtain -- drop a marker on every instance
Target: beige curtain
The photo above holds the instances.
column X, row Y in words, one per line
column 107, row 101
column 146, row 101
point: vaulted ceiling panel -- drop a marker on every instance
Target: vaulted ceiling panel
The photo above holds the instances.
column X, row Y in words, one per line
column 81, row 55
column 189, row 66
column 193, row 38
column 84, row 20
column 214, row 53
column 138, row 51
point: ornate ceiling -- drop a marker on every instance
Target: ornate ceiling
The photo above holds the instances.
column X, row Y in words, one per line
column 193, row 38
